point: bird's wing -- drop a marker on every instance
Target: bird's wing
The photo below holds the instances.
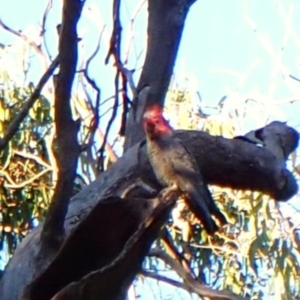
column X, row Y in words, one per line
column 192, row 180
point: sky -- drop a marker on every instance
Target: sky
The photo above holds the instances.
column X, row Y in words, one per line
column 239, row 49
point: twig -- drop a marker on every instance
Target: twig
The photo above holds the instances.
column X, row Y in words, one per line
column 111, row 153
column 221, row 249
column 295, row 78
column 45, row 15
column 14, row 185
column 43, row 26
column 23, row 36
column 93, row 117
column 173, row 251
column 95, row 123
column 14, row 125
column 165, row 279
column 34, row 45
column 115, row 51
column 135, row 13
column 198, row 288
column 95, row 87
column 276, row 57
column 38, row 159
column 115, row 40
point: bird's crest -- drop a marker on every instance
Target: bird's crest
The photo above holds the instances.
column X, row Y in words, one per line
column 154, row 122
column 153, row 111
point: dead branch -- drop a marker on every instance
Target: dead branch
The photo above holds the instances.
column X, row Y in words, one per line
column 67, row 148
column 165, row 279
column 14, row 125
column 115, row 52
column 171, row 250
column 35, row 46
column 14, row 185
column 43, row 25
column 194, row 285
column 165, row 24
column 100, row 284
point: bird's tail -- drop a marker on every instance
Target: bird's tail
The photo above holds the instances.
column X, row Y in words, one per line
column 198, row 206
column 210, row 202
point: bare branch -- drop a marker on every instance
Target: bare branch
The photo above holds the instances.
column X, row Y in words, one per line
column 36, row 158
column 295, row 78
column 96, row 88
column 115, row 51
column 67, row 148
column 31, row 43
column 14, row 185
column 194, row 285
column 14, row 125
column 45, row 15
column 165, row 279
column 108, row 148
column 173, row 251
column 135, row 13
column 43, row 26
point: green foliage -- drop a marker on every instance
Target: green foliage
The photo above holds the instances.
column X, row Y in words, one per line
column 26, row 172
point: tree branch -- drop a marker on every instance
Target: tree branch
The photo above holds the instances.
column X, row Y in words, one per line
column 30, row 42
column 165, row 25
column 195, row 286
column 165, row 279
column 100, row 284
column 67, row 148
column 15, row 124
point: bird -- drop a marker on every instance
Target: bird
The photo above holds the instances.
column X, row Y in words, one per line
column 175, row 166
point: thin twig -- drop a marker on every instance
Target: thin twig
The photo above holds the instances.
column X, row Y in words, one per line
column 43, row 26
column 165, row 279
column 14, row 185
column 108, row 148
column 295, row 78
column 173, row 251
column 198, row 288
column 135, row 13
column 115, row 51
column 45, row 15
column 38, row 159
column 31, row 43
column 96, row 88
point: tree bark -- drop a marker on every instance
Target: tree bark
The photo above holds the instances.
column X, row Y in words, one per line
column 99, row 222
column 67, row 148
column 165, row 26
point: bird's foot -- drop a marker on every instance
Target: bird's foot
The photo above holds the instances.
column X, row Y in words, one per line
column 169, row 193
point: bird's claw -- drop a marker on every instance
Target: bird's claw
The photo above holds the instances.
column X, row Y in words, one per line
column 168, row 193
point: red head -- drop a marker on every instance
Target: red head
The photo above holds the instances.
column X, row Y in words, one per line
column 154, row 122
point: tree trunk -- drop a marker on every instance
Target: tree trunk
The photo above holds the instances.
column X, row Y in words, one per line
column 165, row 26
